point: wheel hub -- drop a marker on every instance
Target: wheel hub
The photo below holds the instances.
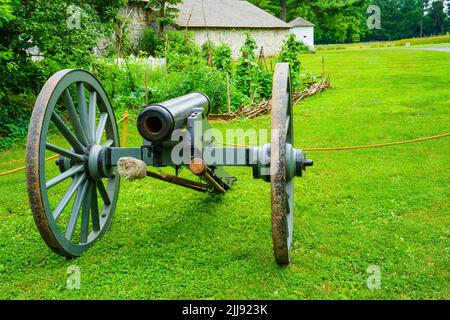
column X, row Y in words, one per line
column 95, row 163
column 296, row 162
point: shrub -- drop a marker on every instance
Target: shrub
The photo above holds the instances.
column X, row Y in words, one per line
column 423, row 41
column 180, row 50
column 290, row 52
column 247, row 70
column 207, row 52
column 43, row 24
column 223, row 59
column 149, row 41
column 125, row 84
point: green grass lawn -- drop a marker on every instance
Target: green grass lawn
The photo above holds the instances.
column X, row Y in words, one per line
column 385, row 207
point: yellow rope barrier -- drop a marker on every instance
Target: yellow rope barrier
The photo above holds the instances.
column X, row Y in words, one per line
column 126, row 116
column 125, row 128
column 373, row 146
column 124, row 119
column 378, row 145
column 23, row 168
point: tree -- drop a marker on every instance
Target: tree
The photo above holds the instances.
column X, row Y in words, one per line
column 44, row 24
column 437, row 15
column 409, row 18
column 6, row 11
column 163, row 11
column 106, row 9
column 283, row 4
column 121, row 33
column 271, row 6
column 336, row 21
column 340, row 21
column 276, row 7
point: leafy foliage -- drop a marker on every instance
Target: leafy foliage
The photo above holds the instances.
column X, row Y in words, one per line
column 271, row 6
column 247, row 68
column 411, row 18
column 207, row 52
column 223, row 58
column 6, row 11
column 290, row 52
column 164, row 12
column 189, row 70
column 180, row 50
column 250, row 78
column 41, row 27
column 48, row 30
column 186, row 71
column 149, row 41
column 106, row 9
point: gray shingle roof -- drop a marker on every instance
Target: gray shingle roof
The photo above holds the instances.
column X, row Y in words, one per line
column 300, row 22
column 225, row 14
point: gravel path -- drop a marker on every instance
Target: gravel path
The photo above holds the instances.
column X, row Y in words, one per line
column 438, row 49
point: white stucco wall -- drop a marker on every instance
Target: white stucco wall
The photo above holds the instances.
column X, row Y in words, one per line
column 304, row 34
column 270, row 39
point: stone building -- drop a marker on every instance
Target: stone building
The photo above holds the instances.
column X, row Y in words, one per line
column 219, row 21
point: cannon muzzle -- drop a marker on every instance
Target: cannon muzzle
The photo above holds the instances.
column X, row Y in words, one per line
column 157, row 122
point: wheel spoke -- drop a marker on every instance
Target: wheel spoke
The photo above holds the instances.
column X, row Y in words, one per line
column 68, row 196
column 68, row 135
column 92, row 114
column 76, row 210
column 83, row 111
column 85, row 214
column 103, row 193
column 108, row 143
column 94, row 209
column 64, row 152
column 78, row 128
column 101, row 127
column 63, row 176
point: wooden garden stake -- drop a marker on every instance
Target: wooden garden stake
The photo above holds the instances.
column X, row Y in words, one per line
column 228, row 94
column 323, row 67
column 124, row 129
column 146, row 87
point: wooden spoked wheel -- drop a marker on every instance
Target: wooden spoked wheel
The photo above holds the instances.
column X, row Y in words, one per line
column 282, row 187
column 72, row 200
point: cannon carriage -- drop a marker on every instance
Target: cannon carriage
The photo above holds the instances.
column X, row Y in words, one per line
column 74, row 106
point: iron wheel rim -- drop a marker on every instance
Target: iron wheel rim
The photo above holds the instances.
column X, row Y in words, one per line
column 282, row 189
column 37, row 145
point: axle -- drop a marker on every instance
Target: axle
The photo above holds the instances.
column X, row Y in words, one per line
column 256, row 157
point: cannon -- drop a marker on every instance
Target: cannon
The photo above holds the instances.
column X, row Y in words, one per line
column 73, row 200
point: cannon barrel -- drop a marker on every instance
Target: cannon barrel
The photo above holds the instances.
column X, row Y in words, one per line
column 157, row 122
